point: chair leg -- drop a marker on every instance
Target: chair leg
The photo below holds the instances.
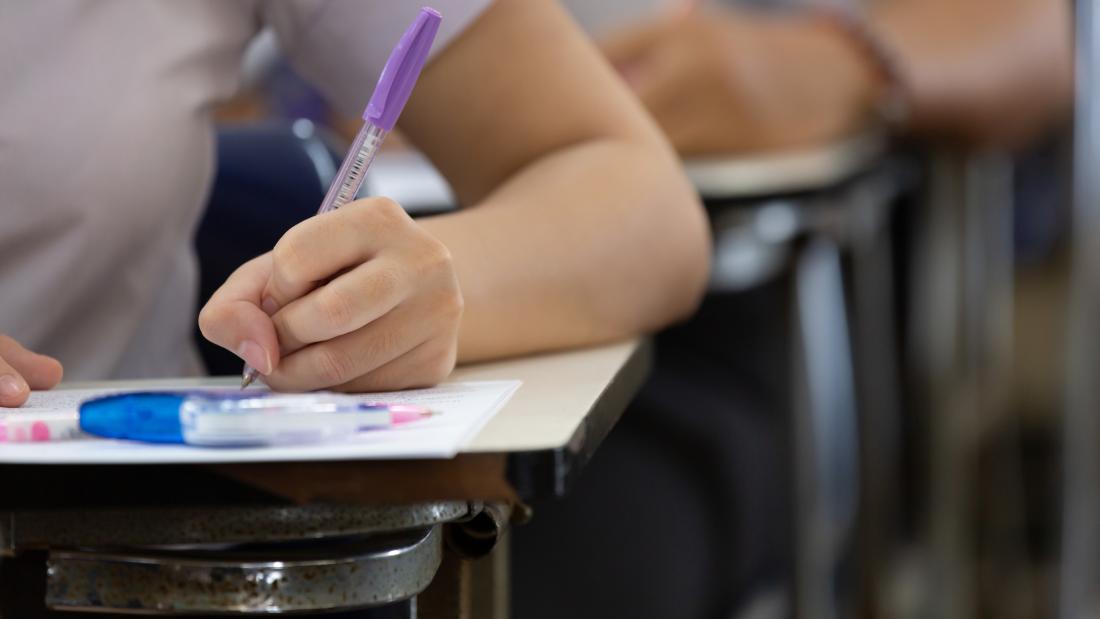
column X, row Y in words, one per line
column 825, row 434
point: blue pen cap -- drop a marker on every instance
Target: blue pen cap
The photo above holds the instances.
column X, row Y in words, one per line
column 152, row 417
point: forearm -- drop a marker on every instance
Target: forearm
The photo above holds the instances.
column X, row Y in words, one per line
column 982, row 71
column 593, row 242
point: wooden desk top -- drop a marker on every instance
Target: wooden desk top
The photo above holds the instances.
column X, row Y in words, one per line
column 560, row 392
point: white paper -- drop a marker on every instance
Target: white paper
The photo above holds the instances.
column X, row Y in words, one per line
column 463, row 407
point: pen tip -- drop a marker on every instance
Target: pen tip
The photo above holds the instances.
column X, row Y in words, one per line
column 247, row 379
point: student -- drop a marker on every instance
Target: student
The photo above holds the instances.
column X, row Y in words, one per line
column 578, row 226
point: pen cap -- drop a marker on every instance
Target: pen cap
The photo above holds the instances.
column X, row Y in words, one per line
column 401, row 70
column 152, row 417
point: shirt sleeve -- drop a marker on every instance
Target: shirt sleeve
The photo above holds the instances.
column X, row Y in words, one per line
column 340, row 46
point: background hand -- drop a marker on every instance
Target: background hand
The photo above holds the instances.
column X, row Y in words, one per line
column 358, row 299
column 731, row 82
column 22, row 370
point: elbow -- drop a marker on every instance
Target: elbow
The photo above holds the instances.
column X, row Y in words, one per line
column 687, row 282
column 655, row 256
column 680, row 260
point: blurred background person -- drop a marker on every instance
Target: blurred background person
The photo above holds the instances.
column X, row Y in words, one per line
column 744, row 79
column 699, row 467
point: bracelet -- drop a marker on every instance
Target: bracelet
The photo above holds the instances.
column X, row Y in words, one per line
column 893, row 106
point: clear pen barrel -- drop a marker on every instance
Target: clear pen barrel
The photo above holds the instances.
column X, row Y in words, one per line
column 353, row 170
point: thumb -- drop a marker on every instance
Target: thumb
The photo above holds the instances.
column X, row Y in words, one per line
column 245, row 330
column 22, row 370
column 233, row 319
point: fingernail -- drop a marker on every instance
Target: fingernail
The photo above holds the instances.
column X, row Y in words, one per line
column 10, row 386
column 256, row 356
column 269, row 306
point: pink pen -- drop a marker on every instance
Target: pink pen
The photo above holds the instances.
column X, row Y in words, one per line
column 38, row 427
column 389, row 98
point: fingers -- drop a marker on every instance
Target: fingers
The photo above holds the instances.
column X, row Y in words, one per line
column 22, row 370
column 14, row 391
column 424, row 366
column 347, row 292
column 234, row 320
column 342, row 359
column 433, row 318
column 322, row 246
column 39, row 371
column 343, row 305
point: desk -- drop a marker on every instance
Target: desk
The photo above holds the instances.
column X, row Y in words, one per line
column 785, row 173
column 534, row 447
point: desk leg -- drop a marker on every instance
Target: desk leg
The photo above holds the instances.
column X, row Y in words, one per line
column 469, row 588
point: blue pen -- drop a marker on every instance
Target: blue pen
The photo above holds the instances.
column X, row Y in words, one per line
column 239, row 419
column 389, row 98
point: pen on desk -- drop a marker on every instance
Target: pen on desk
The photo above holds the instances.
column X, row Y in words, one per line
column 390, row 95
column 242, row 419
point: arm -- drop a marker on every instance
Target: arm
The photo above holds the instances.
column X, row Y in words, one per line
column 981, row 72
column 579, row 227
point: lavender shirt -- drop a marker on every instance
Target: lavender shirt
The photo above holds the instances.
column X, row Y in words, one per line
column 106, row 154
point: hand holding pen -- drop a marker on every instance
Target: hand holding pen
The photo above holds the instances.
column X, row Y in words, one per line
column 387, row 313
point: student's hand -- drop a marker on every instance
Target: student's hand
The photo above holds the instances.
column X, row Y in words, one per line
column 358, row 299
column 736, row 81
column 22, row 370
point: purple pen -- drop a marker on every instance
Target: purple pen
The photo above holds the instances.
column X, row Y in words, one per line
column 389, row 98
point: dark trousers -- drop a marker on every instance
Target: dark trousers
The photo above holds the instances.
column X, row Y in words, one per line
column 685, row 510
